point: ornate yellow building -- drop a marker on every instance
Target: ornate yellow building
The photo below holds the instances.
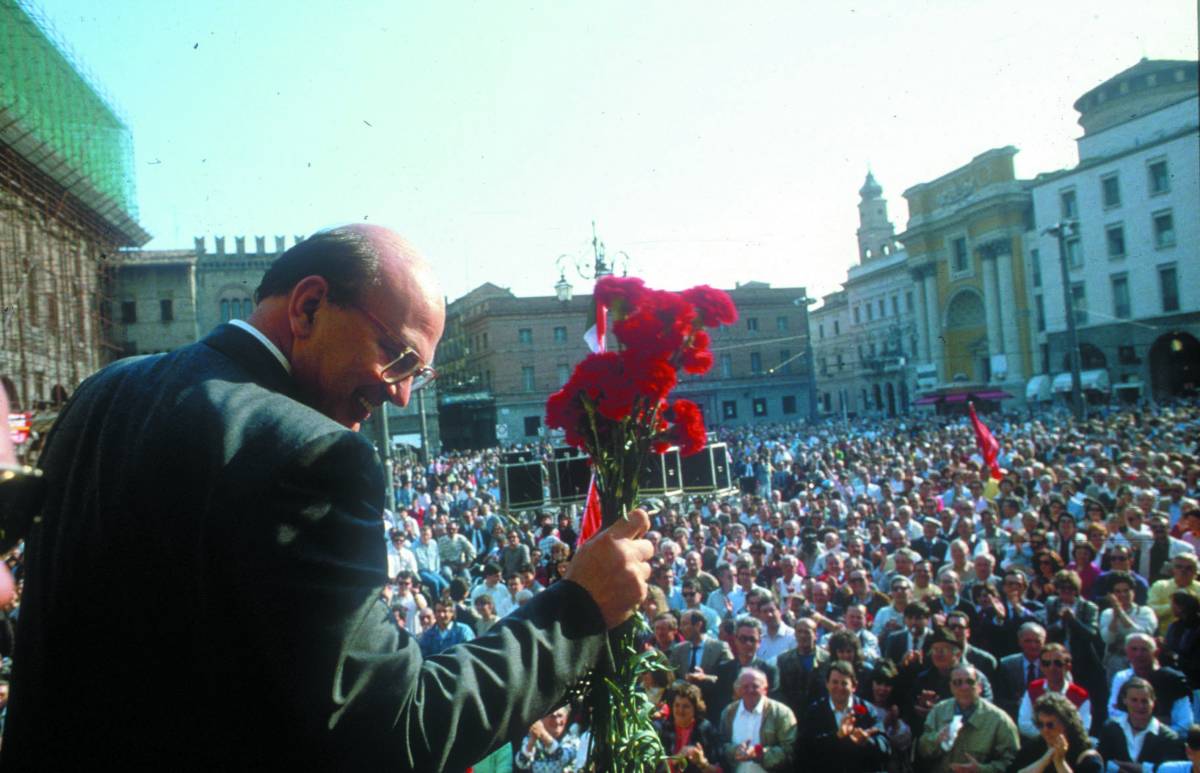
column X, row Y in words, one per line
column 965, row 258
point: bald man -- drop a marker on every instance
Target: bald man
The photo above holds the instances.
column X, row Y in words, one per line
column 204, row 588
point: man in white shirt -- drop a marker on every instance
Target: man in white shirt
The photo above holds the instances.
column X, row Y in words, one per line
column 758, row 734
column 778, row 636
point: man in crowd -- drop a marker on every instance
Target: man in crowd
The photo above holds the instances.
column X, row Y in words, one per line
column 1183, row 577
column 966, row 732
column 747, row 637
column 230, row 472
column 446, row 632
column 758, row 733
column 1019, row 670
column 802, row 668
column 1173, row 695
column 1056, row 665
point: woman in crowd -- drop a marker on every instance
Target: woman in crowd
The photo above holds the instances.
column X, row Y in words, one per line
column 1138, row 738
column 1084, row 564
column 687, row 735
column 1046, row 564
column 884, row 705
column 1121, row 618
column 1062, row 743
column 845, row 646
column 548, row 748
column 1183, row 635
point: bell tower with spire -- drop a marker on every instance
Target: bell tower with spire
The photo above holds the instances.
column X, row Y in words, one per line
column 876, row 234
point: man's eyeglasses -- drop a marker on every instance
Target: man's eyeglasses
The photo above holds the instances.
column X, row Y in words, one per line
column 960, row 682
column 407, row 364
column 748, row 639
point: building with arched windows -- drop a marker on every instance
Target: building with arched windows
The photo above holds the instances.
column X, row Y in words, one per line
column 965, row 256
column 1133, row 255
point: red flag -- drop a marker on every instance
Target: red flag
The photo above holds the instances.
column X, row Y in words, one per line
column 987, row 443
column 591, row 514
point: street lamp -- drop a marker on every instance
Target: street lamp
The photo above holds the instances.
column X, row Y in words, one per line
column 597, row 266
column 809, row 362
column 1062, row 230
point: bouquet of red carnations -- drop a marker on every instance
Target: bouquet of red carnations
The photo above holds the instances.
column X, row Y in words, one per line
column 615, row 407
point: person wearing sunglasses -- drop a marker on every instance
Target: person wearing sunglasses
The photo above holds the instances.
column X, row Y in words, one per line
column 220, row 496
column 1062, row 744
column 1056, row 678
column 967, row 732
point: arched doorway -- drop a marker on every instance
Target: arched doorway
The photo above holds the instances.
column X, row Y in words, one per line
column 1174, row 365
column 965, row 346
column 891, row 399
column 878, row 397
column 904, row 397
column 1090, row 358
column 58, row 395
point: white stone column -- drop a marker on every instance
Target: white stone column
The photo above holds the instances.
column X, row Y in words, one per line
column 922, row 320
column 1008, row 294
column 991, row 304
column 933, row 315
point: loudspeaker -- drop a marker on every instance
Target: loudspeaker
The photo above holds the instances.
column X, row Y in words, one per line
column 661, row 474
column 570, row 476
column 521, row 485
column 706, row 471
column 721, row 466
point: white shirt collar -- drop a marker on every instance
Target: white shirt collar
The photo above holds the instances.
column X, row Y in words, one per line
column 267, row 342
column 758, row 709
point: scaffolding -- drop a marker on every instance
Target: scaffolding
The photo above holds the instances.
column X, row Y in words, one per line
column 67, row 207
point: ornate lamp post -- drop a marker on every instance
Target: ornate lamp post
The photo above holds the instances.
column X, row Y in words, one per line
column 1062, row 230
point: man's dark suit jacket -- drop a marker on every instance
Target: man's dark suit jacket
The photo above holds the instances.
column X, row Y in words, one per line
column 931, row 549
column 1157, row 748
column 203, row 592
column 1012, row 683
column 818, row 745
column 727, row 673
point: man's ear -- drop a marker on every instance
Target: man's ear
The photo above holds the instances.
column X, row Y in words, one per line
column 304, row 302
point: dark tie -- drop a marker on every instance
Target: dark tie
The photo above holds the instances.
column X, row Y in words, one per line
column 1032, row 674
column 695, row 656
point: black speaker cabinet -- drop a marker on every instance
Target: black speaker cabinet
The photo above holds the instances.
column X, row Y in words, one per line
column 661, row 474
column 570, row 476
column 521, row 485
column 518, row 457
column 721, row 466
column 706, row 471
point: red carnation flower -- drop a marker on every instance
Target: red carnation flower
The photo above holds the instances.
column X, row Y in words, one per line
column 658, row 327
column 688, row 430
column 697, row 358
column 715, row 306
column 621, row 294
column 860, row 709
column 653, row 378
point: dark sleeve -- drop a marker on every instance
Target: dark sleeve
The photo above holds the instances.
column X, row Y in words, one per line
column 305, row 571
column 1112, row 743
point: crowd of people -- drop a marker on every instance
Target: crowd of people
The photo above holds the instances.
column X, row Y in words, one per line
column 870, row 597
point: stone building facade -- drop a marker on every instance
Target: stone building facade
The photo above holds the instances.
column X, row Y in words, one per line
column 1133, row 257
column 503, row 356
column 965, row 255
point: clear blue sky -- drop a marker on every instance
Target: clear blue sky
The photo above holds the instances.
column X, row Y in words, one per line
column 713, row 143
